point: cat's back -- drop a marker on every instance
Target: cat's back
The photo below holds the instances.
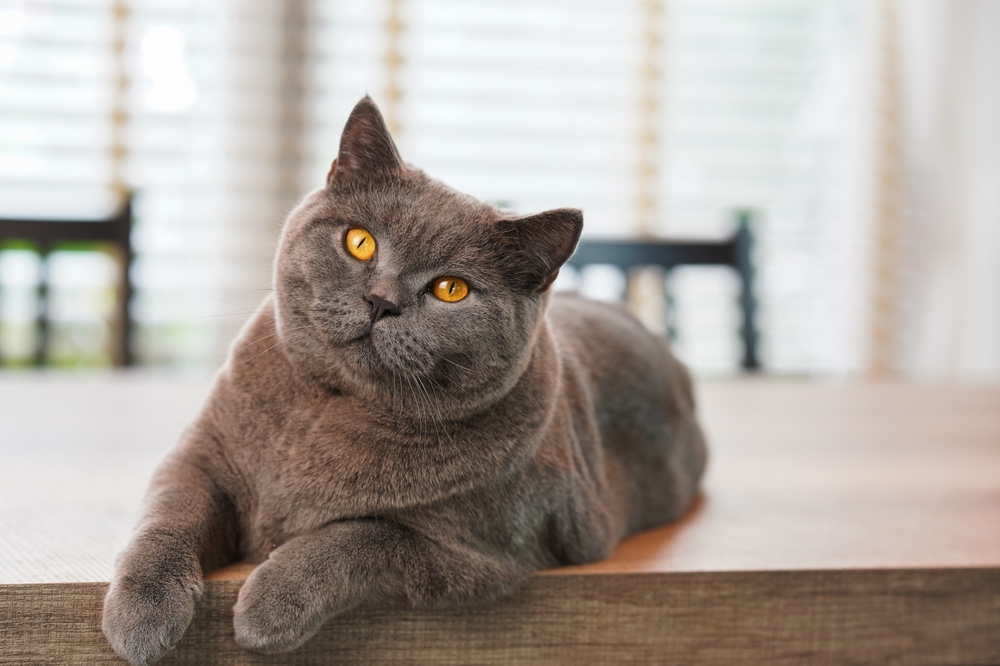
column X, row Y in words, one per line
column 595, row 322
column 617, row 351
column 641, row 399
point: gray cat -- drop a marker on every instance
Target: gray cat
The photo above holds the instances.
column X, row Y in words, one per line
column 412, row 417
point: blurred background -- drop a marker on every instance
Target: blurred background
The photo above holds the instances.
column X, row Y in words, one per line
column 862, row 135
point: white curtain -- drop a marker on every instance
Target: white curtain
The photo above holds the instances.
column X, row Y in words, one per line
column 951, row 273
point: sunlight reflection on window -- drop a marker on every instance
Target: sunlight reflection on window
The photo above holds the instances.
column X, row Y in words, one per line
column 170, row 86
column 12, row 21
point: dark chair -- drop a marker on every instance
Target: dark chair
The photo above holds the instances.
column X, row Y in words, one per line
column 115, row 231
column 734, row 252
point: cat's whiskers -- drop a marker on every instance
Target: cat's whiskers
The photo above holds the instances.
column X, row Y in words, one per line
column 288, row 338
column 223, row 314
column 248, row 362
column 249, row 344
column 418, row 404
column 397, row 393
column 240, row 310
column 444, row 426
column 436, row 414
column 430, row 406
column 458, row 365
column 444, row 389
column 231, row 355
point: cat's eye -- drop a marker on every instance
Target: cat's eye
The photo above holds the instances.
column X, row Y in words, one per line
column 360, row 244
column 450, row 289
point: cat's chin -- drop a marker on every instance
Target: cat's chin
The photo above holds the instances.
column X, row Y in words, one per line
column 361, row 357
column 373, row 362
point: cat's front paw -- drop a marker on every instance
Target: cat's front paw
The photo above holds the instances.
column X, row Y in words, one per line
column 145, row 616
column 276, row 611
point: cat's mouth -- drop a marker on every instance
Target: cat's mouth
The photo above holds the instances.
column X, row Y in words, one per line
column 363, row 338
column 375, row 349
column 366, row 347
column 360, row 333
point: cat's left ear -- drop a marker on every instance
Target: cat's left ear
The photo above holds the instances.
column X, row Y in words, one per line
column 366, row 148
column 544, row 242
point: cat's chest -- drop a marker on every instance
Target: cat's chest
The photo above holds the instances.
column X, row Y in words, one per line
column 318, row 461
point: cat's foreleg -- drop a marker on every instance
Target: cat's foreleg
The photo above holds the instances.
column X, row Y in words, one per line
column 188, row 526
column 348, row 563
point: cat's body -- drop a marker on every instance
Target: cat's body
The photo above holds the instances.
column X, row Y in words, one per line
column 436, row 453
column 279, row 438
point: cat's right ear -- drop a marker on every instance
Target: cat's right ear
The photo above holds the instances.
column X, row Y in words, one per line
column 541, row 243
column 366, row 147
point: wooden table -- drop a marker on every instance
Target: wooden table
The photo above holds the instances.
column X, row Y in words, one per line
column 841, row 523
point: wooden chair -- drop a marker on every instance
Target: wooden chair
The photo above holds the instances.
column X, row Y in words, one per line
column 46, row 234
column 667, row 254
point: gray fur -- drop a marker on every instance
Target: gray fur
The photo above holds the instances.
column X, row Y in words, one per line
column 435, row 457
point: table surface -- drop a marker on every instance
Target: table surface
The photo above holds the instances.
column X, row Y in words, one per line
column 802, row 476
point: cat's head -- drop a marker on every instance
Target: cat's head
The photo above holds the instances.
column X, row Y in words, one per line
column 391, row 284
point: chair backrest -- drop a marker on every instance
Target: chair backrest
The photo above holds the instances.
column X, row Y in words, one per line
column 667, row 254
column 46, row 234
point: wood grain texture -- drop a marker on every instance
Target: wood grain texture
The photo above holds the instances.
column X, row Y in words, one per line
column 912, row 616
column 854, row 524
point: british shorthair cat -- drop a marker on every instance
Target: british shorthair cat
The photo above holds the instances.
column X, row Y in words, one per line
column 412, row 417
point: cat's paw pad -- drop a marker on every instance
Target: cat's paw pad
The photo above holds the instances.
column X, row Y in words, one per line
column 275, row 614
column 143, row 619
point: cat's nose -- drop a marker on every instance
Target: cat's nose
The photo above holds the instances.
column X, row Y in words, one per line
column 381, row 307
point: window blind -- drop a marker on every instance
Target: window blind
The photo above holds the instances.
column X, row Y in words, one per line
column 764, row 105
column 208, row 114
column 766, row 111
column 56, row 90
column 235, row 109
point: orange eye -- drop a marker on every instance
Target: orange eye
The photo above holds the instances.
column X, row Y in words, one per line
column 450, row 289
column 360, row 244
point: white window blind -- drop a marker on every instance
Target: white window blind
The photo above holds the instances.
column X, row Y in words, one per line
column 768, row 108
column 234, row 109
column 205, row 125
column 765, row 105
column 514, row 103
column 207, row 158
column 57, row 84
column 57, row 88
column 524, row 104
